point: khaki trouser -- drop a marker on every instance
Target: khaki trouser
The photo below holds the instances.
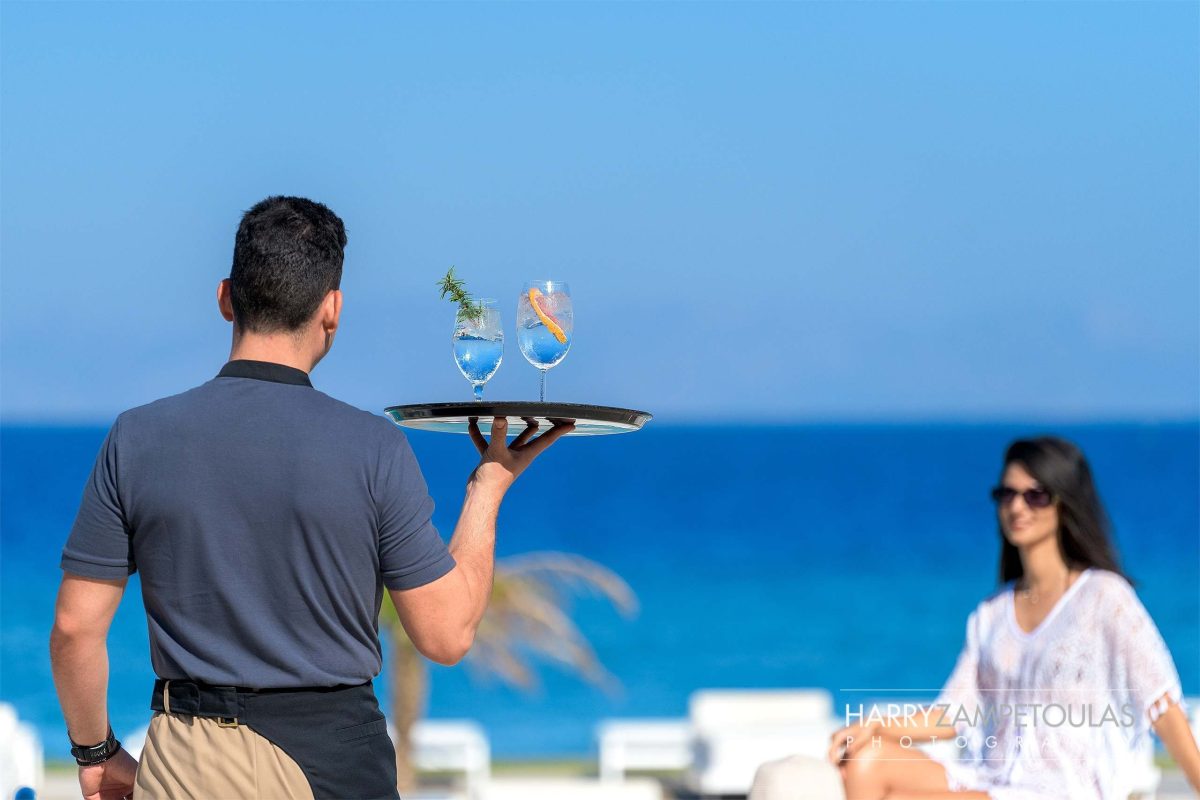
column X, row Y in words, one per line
column 198, row 757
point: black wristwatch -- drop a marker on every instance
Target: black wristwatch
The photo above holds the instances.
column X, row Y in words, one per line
column 90, row 755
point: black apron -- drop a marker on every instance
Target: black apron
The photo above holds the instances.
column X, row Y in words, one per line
column 337, row 735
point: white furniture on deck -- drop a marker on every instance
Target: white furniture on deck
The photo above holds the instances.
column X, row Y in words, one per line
column 728, row 734
column 643, row 744
column 22, row 762
column 737, row 730
column 454, row 746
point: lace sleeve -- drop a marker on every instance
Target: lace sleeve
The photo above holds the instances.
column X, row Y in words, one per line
column 960, row 695
column 1143, row 675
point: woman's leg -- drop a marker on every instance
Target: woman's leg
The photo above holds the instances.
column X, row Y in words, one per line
column 892, row 771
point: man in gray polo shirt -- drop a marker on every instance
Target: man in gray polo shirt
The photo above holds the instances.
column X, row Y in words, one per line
column 266, row 519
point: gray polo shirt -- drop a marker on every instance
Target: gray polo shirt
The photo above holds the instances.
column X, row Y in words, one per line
column 265, row 519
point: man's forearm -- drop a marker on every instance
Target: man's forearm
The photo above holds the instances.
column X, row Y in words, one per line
column 79, row 662
column 442, row 617
column 473, row 544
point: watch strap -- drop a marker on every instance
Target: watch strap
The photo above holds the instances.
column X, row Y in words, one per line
column 90, row 755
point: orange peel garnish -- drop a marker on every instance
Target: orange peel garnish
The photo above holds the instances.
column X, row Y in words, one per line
column 550, row 322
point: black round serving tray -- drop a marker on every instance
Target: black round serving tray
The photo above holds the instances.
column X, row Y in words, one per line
column 454, row 417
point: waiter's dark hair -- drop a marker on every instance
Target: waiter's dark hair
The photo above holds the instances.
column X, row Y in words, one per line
column 286, row 258
column 1084, row 529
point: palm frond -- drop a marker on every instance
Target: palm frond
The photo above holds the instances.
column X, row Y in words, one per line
column 568, row 572
column 528, row 618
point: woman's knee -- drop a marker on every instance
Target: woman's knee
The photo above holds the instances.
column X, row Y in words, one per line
column 866, row 762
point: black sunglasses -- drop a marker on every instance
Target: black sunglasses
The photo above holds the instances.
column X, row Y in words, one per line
column 1034, row 498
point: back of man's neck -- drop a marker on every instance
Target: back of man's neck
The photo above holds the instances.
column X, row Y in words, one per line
column 272, row 350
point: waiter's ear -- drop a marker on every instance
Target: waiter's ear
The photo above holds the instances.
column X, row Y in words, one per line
column 330, row 311
column 225, row 300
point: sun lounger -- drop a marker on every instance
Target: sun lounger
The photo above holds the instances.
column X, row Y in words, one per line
column 738, row 730
column 454, row 746
column 659, row 745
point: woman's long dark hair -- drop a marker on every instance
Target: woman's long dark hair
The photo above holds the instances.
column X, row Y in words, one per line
column 1084, row 529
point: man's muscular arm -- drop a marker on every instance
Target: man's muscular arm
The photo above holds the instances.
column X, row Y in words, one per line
column 79, row 662
column 79, row 653
column 441, row 617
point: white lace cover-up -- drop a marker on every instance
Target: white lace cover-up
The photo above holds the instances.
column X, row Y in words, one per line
column 1090, row 680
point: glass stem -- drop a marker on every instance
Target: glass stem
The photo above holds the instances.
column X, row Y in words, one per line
column 478, row 392
column 543, row 382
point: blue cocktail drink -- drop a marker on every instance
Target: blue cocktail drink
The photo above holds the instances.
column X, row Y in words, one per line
column 478, row 342
column 545, row 321
column 541, row 347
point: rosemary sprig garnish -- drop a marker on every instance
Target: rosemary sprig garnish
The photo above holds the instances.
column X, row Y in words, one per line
column 468, row 308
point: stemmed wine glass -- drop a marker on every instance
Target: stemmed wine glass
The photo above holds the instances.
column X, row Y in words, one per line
column 544, row 324
column 478, row 343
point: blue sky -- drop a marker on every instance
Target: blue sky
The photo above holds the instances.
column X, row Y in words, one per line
column 779, row 211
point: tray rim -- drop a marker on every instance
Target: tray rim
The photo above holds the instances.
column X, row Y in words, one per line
column 416, row 412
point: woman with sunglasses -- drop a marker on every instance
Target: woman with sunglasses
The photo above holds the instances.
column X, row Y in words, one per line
column 1062, row 672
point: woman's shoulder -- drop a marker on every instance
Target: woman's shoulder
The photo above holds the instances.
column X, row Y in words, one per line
column 1109, row 585
column 992, row 607
column 1111, row 596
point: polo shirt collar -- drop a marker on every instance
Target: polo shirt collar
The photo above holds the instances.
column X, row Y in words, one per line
column 265, row 371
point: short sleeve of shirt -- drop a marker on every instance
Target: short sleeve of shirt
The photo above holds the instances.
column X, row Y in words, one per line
column 101, row 544
column 411, row 553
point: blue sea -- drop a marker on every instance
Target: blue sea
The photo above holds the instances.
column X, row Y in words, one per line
column 843, row 557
